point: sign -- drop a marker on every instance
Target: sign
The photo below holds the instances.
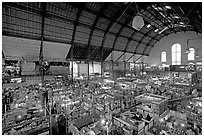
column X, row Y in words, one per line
column 182, row 68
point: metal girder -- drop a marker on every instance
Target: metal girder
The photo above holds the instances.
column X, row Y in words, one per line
column 159, row 19
column 89, row 26
column 94, row 25
column 119, row 32
column 115, row 19
column 113, row 22
column 177, row 15
column 120, row 56
column 43, row 14
column 148, row 44
column 18, row 35
column 92, row 30
column 45, row 39
column 129, row 41
column 73, row 37
column 74, row 31
column 99, row 51
column 150, row 20
column 96, row 48
column 48, row 15
column 159, row 39
column 136, row 59
column 136, row 48
column 144, row 36
column 105, row 17
column 130, row 57
column 22, row 7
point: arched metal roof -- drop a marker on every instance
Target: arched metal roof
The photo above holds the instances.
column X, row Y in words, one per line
column 95, row 28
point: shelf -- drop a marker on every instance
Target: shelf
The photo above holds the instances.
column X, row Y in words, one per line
column 24, row 123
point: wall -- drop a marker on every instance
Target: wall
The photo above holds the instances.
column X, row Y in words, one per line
column 55, row 70
column 93, row 68
column 165, row 45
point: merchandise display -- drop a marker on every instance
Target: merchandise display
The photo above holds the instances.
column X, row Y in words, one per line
column 101, row 68
column 24, row 110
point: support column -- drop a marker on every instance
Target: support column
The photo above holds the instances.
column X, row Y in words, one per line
column 101, row 61
column 93, row 66
column 78, row 69
column 112, row 68
column 134, row 64
column 72, row 69
column 88, row 70
column 124, row 65
column 142, row 66
column 68, row 65
column 101, row 69
column 43, row 6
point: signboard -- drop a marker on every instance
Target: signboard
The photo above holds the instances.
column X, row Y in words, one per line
column 182, row 68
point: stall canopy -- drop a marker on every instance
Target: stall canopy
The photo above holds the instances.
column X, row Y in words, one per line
column 92, row 30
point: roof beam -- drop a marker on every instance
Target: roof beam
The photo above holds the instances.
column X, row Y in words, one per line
column 119, row 32
column 119, row 56
column 130, row 39
column 22, row 7
column 179, row 16
column 144, row 36
column 130, row 57
column 99, row 51
column 108, row 18
column 159, row 38
column 94, row 25
column 150, row 18
column 18, row 35
column 83, row 24
column 115, row 19
column 43, row 14
column 159, row 19
column 74, row 31
column 48, row 15
column 136, row 59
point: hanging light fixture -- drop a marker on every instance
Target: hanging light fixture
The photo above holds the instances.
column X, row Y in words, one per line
column 149, row 25
column 187, row 49
column 137, row 22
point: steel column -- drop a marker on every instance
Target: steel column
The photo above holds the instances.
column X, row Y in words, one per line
column 92, row 30
column 73, row 37
column 43, row 14
column 112, row 66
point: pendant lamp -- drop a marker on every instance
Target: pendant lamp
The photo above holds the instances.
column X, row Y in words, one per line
column 137, row 22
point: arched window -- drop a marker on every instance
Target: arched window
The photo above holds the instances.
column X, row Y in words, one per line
column 163, row 56
column 176, row 54
column 191, row 55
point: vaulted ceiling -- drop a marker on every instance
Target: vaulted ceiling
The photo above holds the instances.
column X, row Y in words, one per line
column 95, row 29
